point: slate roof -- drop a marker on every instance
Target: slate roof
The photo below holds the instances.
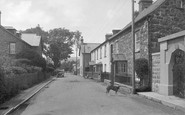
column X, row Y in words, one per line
column 142, row 15
column 88, row 47
column 14, row 36
column 31, row 39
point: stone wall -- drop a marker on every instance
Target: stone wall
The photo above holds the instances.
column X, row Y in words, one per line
column 155, row 72
column 6, row 59
column 124, row 41
column 6, row 38
column 166, row 20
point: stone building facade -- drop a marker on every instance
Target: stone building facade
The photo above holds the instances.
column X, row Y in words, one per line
column 162, row 18
column 10, row 44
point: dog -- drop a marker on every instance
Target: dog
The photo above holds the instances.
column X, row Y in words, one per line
column 114, row 88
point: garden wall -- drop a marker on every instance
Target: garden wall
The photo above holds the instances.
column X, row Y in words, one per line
column 155, row 72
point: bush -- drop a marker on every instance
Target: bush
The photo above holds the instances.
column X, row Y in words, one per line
column 49, row 69
column 2, row 86
column 141, row 68
column 14, row 70
column 34, row 57
column 20, row 62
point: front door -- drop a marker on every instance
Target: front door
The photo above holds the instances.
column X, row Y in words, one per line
column 179, row 73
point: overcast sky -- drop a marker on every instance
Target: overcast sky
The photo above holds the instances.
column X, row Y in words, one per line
column 94, row 18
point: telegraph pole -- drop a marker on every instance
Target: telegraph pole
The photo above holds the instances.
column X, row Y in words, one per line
column 76, row 59
column 133, row 39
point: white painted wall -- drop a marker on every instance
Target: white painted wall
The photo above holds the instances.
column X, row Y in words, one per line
column 104, row 60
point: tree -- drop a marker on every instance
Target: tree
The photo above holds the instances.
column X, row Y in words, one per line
column 77, row 36
column 61, row 42
column 68, row 65
column 58, row 42
column 38, row 31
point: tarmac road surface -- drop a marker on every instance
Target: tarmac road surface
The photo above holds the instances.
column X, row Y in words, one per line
column 74, row 95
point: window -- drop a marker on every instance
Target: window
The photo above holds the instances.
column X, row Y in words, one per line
column 100, row 52
column 182, row 4
column 94, row 55
column 116, row 48
column 12, row 48
column 97, row 54
column 137, row 41
column 105, row 51
column 105, row 66
column 121, row 67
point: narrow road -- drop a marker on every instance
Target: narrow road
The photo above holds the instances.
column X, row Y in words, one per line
column 74, row 95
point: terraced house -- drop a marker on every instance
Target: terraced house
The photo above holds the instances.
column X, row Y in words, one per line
column 85, row 56
column 155, row 20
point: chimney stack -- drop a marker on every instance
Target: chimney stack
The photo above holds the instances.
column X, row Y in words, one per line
column 143, row 4
column 107, row 36
column 115, row 31
column 82, row 40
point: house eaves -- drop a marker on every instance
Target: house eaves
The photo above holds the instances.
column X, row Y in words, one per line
column 14, row 35
column 100, row 45
column 141, row 16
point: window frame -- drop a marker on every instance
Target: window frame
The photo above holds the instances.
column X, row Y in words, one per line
column 105, row 50
column 12, row 52
column 121, row 67
column 137, row 41
column 100, row 52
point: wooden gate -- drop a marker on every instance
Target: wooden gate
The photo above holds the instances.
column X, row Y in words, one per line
column 179, row 73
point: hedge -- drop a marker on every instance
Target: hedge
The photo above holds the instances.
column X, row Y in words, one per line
column 11, row 84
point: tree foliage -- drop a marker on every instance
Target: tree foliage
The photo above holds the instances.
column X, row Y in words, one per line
column 59, row 42
column 68, row 65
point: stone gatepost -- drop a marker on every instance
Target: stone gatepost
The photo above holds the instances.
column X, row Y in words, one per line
column 168, row 45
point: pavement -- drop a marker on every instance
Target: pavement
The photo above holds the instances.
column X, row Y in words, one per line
column 170, row 101
column 22, row 97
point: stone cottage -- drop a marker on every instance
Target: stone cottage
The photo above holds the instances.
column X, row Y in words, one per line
column 10, row 43
column 155, row 20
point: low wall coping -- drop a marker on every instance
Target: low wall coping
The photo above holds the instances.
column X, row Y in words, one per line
column 158, row 53
column 172, row 36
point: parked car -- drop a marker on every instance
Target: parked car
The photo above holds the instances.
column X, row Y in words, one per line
column 60, row 73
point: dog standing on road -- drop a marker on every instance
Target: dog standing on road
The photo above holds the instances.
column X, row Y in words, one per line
column 114, row 88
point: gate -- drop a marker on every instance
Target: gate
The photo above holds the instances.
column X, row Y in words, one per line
column 179, row 73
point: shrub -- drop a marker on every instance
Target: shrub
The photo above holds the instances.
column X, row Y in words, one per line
column 20, row 62
column 2, row 86
column 49, row 69
column 34, row 57
column 15, row 70
column 141, row 68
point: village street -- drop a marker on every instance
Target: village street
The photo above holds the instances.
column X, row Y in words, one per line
column 74, row 95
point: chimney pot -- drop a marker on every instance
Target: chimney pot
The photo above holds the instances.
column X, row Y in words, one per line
column 143, row 4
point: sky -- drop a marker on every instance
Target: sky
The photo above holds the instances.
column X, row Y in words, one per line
column 94, row 18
